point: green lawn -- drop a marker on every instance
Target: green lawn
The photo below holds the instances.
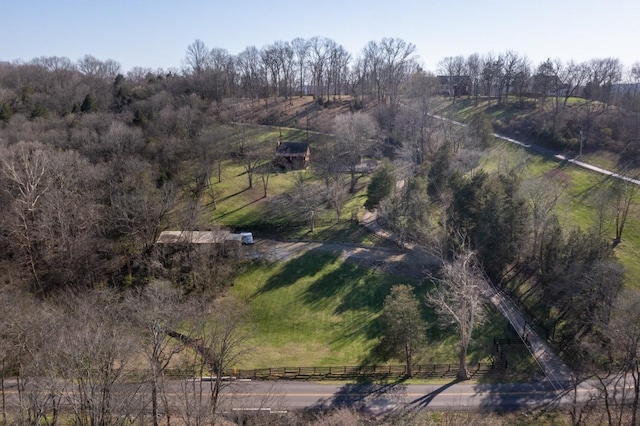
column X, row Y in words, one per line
column 317, row 310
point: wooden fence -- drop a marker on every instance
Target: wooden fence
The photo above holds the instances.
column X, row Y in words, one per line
column 430, row 371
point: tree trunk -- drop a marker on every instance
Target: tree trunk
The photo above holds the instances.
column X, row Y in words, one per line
column 462, row 373
column 636, row 396
column 4, row 401
column 407, row 351
column 154, row 399
column 352, row 186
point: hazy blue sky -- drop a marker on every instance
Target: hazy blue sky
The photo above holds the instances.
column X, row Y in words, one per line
column 156, row 34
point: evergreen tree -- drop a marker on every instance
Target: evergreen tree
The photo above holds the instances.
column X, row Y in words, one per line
column 404, row 326
column 88, row 105
column 381, row 186
column 5, row 112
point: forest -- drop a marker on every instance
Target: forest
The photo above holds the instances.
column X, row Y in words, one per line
column 96, row 161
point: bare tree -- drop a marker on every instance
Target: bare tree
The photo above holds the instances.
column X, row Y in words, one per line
column 510, row 65
column 602, row 74
column 95, row 349
column 208, row 152
column 572, row 75
column 354, row 133
column 414, row 122
column 254, row 154
column 93, row 67
column 623, row 193
column 53, row 223
column 317, row 61
column 492, row 75
column 458, row 300
column 300, row 48
column 219, row 343
column 251, row 72
column 198, row 57
column 371, row 72
column 619, row 377
column 474, row 67
column 271, row 63
column 306, row 199
column 158, row 310
column 337, row 195
column 266, row 170
column 27, row 342
column 453, row 69
column 339, row 60
column 399, row 62
column 542, row 195
column 25, row 169
column 285, row 59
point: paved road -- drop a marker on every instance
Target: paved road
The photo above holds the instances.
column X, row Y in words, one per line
column 273, row 396
column 375, row 398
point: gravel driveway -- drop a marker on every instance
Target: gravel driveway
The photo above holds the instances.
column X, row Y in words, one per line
column 411, row 262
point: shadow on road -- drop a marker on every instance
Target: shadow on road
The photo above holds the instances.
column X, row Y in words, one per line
column 514, row 396
column 424, row 401
column 367, row 396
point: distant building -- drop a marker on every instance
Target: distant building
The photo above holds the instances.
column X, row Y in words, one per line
column 293, row 155
column 454, row 85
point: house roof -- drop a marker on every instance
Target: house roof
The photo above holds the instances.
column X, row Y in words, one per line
column 292, row 148
column 193, row 237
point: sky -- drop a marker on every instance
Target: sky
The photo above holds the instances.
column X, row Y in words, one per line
column 156, row 33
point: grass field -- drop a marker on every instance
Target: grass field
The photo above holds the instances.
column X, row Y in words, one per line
column 317, row 310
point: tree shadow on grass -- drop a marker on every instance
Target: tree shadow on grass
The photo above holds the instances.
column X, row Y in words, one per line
column 308, row 264
column 236, row 210
column 359, row 288
column 356, row 287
